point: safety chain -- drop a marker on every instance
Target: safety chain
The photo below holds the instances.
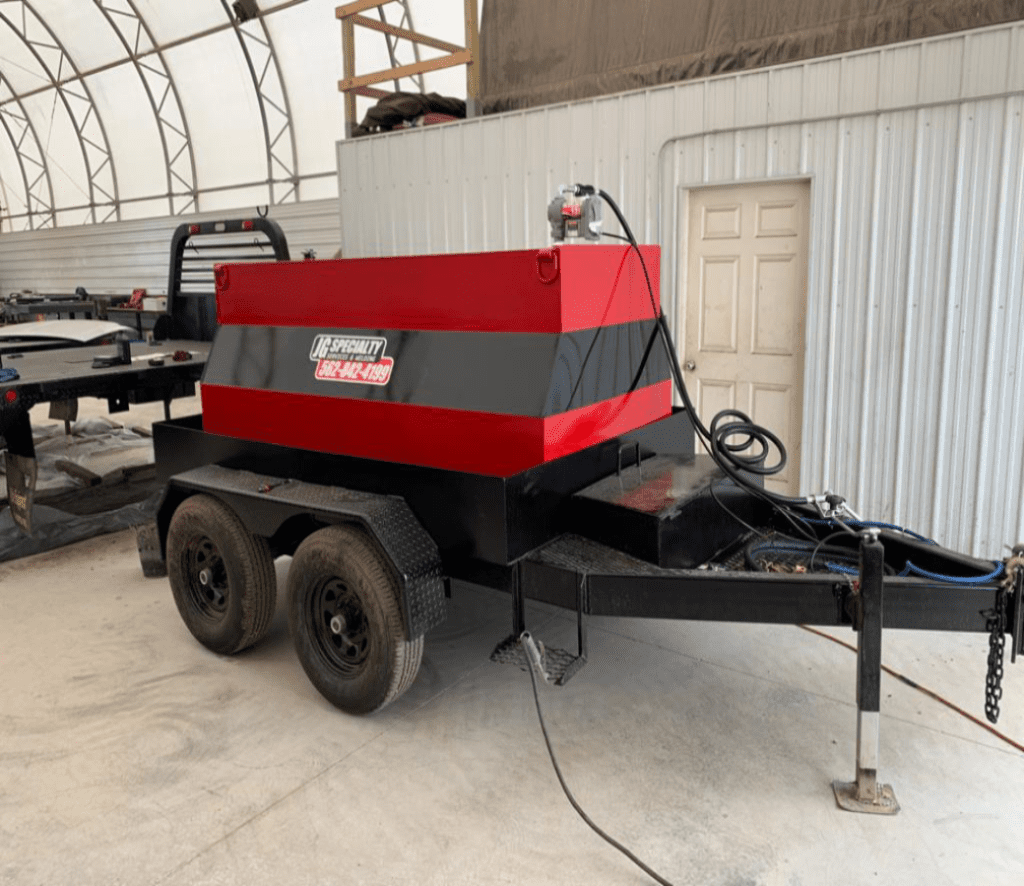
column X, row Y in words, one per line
column 996, row 645
column 996, row 625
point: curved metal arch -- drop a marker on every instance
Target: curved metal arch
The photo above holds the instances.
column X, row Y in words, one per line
column 18, row 143
column 281, row 105
column 166, row 127
column 24, row 175
column 63, row 91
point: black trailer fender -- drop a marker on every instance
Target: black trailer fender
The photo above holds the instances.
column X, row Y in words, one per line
column 270, row 506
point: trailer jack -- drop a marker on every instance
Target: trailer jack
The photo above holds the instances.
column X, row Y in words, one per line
column 864, row 794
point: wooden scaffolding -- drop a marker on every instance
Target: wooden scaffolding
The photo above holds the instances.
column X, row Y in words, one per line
column 366, row 84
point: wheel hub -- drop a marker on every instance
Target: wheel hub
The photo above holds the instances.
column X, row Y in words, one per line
column 209, row 586
column 342, row 630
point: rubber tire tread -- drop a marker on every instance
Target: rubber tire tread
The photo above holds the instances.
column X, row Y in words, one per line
column 249, row 564
column 347, row 552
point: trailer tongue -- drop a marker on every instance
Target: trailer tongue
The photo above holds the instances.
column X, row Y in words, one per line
column 401, row 425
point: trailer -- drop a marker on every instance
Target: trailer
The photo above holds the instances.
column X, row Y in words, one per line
column 409, row 428
column 107, row 364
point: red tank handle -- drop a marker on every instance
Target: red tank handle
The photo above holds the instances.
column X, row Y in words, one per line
column 545, row 256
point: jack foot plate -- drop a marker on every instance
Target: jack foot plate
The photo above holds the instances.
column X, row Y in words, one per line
column 883, row 804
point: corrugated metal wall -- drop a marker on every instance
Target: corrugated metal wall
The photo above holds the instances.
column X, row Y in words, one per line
column 121, row 256
column 916, row 278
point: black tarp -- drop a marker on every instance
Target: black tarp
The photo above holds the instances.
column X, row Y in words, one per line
column 392, row 110
column 537, row 52
column 123, row 491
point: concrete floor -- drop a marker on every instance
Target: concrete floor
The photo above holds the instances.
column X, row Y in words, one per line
column 131, row 755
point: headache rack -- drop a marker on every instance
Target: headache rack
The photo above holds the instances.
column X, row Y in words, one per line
column 196, row 248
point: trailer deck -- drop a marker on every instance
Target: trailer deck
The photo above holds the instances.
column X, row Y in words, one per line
column 126, row 373
column 160, row 372
column 64, row 373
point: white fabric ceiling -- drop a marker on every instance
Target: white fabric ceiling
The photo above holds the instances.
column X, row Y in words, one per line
column 116, row 109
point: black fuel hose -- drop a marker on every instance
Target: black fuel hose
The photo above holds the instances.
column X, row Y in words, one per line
column 747, row 454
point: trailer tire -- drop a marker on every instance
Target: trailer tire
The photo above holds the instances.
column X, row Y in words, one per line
column 346, row 621
column 222, row 576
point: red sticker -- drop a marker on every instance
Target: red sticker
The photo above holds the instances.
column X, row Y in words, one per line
column 356, row 371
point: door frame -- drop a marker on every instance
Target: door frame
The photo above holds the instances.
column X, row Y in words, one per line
column 680, row 283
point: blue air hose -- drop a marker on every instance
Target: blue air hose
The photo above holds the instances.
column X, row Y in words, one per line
column 956, row 579
column 872, row 524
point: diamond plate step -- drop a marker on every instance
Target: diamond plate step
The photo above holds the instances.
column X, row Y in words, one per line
column 559, row 665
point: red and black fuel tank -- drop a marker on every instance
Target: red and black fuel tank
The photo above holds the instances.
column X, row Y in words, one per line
column 488, row 363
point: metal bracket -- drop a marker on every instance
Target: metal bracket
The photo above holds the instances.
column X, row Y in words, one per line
column 22, row 472
column 864, row 794
column 878, row 799
column 581, row 634
column 117, row 403
column 518, row 601
column 556, row 667
column 626, row 447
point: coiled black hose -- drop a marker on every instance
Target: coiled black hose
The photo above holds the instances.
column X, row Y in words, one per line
column 732, row 456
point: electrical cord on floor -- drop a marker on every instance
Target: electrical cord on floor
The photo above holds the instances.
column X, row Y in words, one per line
column 565, row 788
column 925, row 691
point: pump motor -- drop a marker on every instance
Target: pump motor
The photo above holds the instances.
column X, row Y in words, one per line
column 573, row 215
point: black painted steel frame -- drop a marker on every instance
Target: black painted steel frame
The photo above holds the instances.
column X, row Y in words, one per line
column 480, row 523
column 639, row 590
column 512, row 534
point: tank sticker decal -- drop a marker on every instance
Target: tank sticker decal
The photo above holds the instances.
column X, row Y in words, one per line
column 354, row 359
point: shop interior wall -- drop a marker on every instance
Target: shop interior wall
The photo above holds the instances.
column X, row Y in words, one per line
column 117, row 257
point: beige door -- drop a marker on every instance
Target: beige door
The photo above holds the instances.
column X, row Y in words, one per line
column 745, row 302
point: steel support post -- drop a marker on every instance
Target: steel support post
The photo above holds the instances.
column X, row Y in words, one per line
column 864, row 794
column 518, row 601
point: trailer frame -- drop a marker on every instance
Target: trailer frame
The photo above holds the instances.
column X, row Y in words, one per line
column 418, row 519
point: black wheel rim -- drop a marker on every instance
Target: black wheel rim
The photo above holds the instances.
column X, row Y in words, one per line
column 340, row 630
column 209, row 592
